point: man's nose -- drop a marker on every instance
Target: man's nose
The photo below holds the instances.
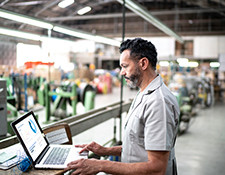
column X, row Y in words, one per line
column 122, row 72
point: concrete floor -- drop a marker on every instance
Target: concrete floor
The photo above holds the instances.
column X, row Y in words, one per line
column 201, row 150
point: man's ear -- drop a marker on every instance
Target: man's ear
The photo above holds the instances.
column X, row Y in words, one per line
column 144, row 63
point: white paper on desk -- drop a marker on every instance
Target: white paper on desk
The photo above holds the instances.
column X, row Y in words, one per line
column 57, row 137
column 6, row 156
column 9, row 163
column 16, row 149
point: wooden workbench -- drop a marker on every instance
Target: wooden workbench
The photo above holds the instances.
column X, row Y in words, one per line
column 15, row 170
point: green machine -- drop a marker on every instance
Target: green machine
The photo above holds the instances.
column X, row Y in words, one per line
column 17, row 97
column 11, row 112
column 60, row 103
column 62, row 95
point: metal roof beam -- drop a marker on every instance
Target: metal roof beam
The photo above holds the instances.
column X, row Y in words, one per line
column 4, row 2
column 130, row 14
column 145, row 14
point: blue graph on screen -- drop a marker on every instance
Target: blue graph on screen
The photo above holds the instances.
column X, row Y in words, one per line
column 32, row 126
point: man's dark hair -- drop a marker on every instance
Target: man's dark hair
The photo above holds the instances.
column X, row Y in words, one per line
column 140, row 48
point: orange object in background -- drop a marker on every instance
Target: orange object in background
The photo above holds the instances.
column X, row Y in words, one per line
column 32, row 64
column 92, row 67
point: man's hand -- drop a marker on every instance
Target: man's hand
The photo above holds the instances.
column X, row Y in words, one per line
column 84, row 166
column 94, row 147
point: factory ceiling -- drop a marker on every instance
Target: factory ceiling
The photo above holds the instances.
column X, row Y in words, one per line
column 184, row 17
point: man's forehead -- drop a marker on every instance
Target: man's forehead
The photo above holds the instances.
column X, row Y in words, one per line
column 125, row 55
column 126, row 52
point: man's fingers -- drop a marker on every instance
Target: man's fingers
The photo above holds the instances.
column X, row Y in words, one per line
column 84, row 149
column 77, row 171
column 72, row 165
column 81, row 146
column 74, row 168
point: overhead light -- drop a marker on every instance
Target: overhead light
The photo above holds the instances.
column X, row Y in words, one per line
column 84, row 10
column 65, row 3
column 24, row 19
column 19, row 34
column 85, row 35
column 188, row 64
column 164, row 63
column 193, row 64
column 61, row 29
column 34, row 37
column 190, row 21
column 214, row 64
column 26, row 35
column 141, row 11
column 183, row 64
column 182, row 60
column 72, row 32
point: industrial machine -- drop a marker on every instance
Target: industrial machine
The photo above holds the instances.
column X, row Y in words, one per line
column 57, row 97
column 205, row 92
column 186, row 99
column 3, row 108
column 191, row 92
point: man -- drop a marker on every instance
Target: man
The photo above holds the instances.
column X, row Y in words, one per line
column 151, row 126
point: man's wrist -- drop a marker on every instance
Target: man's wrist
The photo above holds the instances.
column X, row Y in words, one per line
column 107, row 151
column 102, row 165
column 104, row 151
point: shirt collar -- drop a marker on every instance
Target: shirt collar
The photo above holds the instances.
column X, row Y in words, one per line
column 153, row 85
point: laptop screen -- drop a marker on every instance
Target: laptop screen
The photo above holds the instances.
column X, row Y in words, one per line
column 31, row 136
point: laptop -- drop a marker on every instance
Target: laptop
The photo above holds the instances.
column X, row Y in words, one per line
column 37, row 147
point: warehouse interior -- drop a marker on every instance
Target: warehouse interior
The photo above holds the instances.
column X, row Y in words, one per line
column 60, row 59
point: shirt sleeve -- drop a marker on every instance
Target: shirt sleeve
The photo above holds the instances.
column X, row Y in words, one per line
column 159, row 125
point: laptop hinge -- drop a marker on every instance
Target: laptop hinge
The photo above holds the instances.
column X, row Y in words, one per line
column 42, row 155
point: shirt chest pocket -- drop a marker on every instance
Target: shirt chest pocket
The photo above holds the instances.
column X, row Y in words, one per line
column 137, row 130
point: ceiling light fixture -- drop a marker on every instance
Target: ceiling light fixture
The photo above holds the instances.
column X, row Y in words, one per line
column 193, row 64
column 29, row 36
column 214, row 64
column 24, row 19
column 182, row 60
column 164, row 63
column 14, row 33
column 141, row 11
column 85, row 35
column 84, row 10
column 65, row 3
column 66, row 30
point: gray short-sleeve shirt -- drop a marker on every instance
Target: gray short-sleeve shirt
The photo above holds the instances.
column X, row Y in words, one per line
column 151, row 124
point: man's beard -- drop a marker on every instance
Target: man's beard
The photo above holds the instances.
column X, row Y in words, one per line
column 134, row 78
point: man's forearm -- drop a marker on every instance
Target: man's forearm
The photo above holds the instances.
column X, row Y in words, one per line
column 144, row 168
column 113, row 151
column 156, row 165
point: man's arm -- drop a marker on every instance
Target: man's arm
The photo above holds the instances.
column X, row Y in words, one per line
column 101, row 150
column 114, row 151
column 156, row 165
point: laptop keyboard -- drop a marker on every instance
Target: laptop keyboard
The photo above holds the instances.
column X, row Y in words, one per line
column 57, row 156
